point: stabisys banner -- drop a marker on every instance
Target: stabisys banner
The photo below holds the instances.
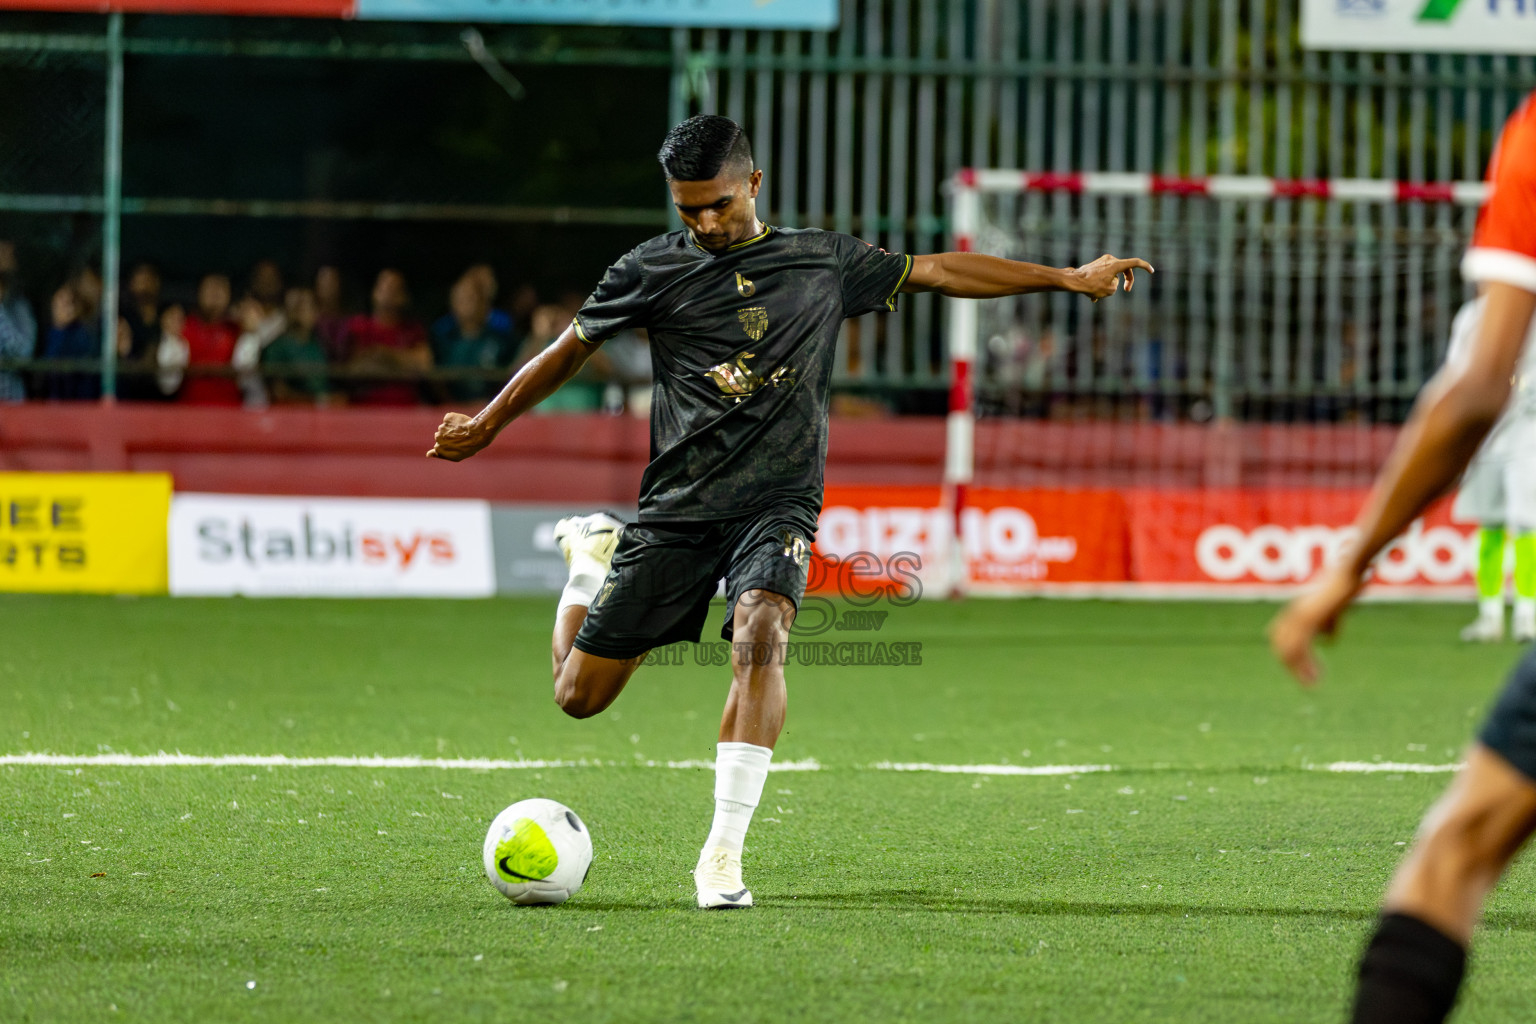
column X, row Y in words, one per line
column 224, row 544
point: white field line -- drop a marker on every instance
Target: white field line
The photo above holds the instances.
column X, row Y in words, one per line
column 480, row 764
column 994, row 769
column 1393, row 767
column 485, row 764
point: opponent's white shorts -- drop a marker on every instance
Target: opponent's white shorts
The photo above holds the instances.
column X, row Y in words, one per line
column 1499, row 492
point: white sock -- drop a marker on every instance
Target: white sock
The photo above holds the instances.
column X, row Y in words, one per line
column 1487, row 607
column 741, row 769
column 1525, row 607
column 581, row 587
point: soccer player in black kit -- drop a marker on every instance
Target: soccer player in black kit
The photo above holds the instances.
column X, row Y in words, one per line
column 743, row 321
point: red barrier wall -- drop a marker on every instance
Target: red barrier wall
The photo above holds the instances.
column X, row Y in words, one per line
column 1233, row 539
column 598, row 459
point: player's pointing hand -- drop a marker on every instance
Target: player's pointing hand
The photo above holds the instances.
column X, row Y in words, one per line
column 1101, row 278
column 458, row 437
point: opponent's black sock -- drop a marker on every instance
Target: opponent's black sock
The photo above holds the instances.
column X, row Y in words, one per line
column 1409, row 974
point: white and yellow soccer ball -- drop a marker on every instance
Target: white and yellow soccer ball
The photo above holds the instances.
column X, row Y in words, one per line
column 538, row 851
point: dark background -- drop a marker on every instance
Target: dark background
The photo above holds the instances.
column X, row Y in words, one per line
column 388, row 130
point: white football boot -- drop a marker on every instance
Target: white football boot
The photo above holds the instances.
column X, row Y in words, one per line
column 718, row 880
column 1523, row 629
column 1485, row 629
column 595, row 536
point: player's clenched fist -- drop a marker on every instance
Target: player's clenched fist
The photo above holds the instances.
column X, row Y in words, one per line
column 1101, row 278
column 458, row 437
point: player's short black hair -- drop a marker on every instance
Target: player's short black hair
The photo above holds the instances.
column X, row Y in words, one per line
column 701, row 147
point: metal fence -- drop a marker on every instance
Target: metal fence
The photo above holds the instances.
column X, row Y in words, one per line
column 859, row 129
column 1261, row 308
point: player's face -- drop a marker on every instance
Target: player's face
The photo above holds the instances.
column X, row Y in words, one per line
column 721, row 211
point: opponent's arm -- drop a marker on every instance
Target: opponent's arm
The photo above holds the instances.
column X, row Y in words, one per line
column 1452, row 416
column 461, row 436
column 974, row 275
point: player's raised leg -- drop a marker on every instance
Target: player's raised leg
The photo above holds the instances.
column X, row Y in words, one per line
column 749, row 728
column 1522, row 514
column 585, row 684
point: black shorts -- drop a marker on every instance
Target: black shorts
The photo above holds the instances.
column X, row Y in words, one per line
column 664, row 576
column 1510, row 730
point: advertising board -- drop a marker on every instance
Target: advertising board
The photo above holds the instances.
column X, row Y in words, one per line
column 358, row 547
column 101, row 533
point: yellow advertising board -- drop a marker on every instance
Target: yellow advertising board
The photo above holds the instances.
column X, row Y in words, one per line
column 102, row 533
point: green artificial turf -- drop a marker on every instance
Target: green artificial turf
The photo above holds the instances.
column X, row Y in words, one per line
column 1215, row 875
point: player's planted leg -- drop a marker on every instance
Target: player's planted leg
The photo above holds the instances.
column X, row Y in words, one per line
column 1523, row 626
column 585, row 684
column 749, row 728
column 1488, row 627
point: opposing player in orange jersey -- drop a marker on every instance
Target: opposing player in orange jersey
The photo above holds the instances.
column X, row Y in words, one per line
column 1414, row 963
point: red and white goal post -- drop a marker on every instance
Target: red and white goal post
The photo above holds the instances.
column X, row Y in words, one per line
column 1232, row 562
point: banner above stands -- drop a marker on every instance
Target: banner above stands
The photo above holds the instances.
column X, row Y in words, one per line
column 785, row 14
column 255, row 8
column 1420, row 26
column 779, row 14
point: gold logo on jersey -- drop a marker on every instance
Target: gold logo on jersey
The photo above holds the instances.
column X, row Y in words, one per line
column 739, row 380
column 795, row 547
column 754, row 321
column 746, row 289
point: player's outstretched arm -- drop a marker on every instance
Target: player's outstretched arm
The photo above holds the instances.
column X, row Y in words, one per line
column 1452, row 416
column 973, row 275
column 461, row 436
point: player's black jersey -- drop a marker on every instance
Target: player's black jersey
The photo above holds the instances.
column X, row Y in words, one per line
column 742, row 345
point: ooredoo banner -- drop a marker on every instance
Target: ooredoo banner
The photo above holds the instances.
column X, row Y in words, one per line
column 1283, row 537
column 100, row 533
column 360, row 547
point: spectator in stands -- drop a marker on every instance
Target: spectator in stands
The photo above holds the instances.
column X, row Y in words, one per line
column 204, row 344
column 141, row 312
column 629, row 387
column 482, row 278
column 265, row 285
column 294, row 364
column 75, row 335
column 470, row 338
column 582, row 393
column 332, row 324
column 525, row 299
column 387, row 343
column 262, row 319
column 18, row 327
